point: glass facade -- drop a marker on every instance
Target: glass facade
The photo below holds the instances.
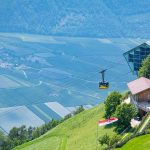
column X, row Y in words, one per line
column 135, row 56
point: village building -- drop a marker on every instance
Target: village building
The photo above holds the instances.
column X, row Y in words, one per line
column 140, row 94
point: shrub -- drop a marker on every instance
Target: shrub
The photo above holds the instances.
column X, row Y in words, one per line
column 80, row 109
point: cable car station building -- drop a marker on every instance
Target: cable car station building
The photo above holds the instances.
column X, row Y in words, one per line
column 135, row 56
column 140, row 93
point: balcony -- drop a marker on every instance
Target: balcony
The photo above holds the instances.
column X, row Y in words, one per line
column 141, row 105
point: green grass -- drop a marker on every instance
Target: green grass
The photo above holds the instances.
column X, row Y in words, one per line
column 44, row 144
column 138, row 143
column 76, row 133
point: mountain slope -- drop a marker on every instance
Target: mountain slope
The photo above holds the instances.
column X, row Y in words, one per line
column 79, row 132
column 105, row 18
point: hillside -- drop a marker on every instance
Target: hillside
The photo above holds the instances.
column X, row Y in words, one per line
column 77, row 133
column 139, row 143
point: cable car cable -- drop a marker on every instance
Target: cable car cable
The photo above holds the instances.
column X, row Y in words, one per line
column 63, row 86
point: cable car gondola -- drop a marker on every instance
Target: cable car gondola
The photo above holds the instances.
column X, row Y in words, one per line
column 103, row 84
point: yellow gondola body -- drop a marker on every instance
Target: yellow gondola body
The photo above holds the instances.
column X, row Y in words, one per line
column 103, row 85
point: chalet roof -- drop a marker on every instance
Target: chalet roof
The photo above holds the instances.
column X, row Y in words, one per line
column 139, row 85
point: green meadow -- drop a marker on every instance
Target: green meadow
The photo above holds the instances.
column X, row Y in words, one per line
column 78, row 132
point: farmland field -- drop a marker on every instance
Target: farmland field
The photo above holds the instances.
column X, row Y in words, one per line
column 39, row 71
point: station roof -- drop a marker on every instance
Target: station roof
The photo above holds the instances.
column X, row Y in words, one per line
column 139, row 85
column 136, row 55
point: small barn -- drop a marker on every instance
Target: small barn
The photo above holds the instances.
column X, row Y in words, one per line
column 140, row 93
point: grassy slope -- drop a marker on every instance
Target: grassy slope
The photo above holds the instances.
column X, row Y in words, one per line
column 138, row 143
column 77, row 133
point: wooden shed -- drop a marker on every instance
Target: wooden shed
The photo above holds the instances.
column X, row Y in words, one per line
column 140, row 89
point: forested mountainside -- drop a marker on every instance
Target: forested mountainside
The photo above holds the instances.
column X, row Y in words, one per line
column 105, row 18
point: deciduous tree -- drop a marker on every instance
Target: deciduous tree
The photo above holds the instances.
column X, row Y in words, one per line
column 145, row 69
column 124, row 113
column 111, row 103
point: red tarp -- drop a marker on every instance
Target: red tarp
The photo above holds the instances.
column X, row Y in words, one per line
column 107, row 121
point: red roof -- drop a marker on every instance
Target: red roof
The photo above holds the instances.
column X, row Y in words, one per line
column 139, row 85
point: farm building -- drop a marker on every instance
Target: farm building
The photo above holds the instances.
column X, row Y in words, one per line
column 140, row 93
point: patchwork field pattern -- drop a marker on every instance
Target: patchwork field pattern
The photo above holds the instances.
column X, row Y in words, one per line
column 48, row 77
